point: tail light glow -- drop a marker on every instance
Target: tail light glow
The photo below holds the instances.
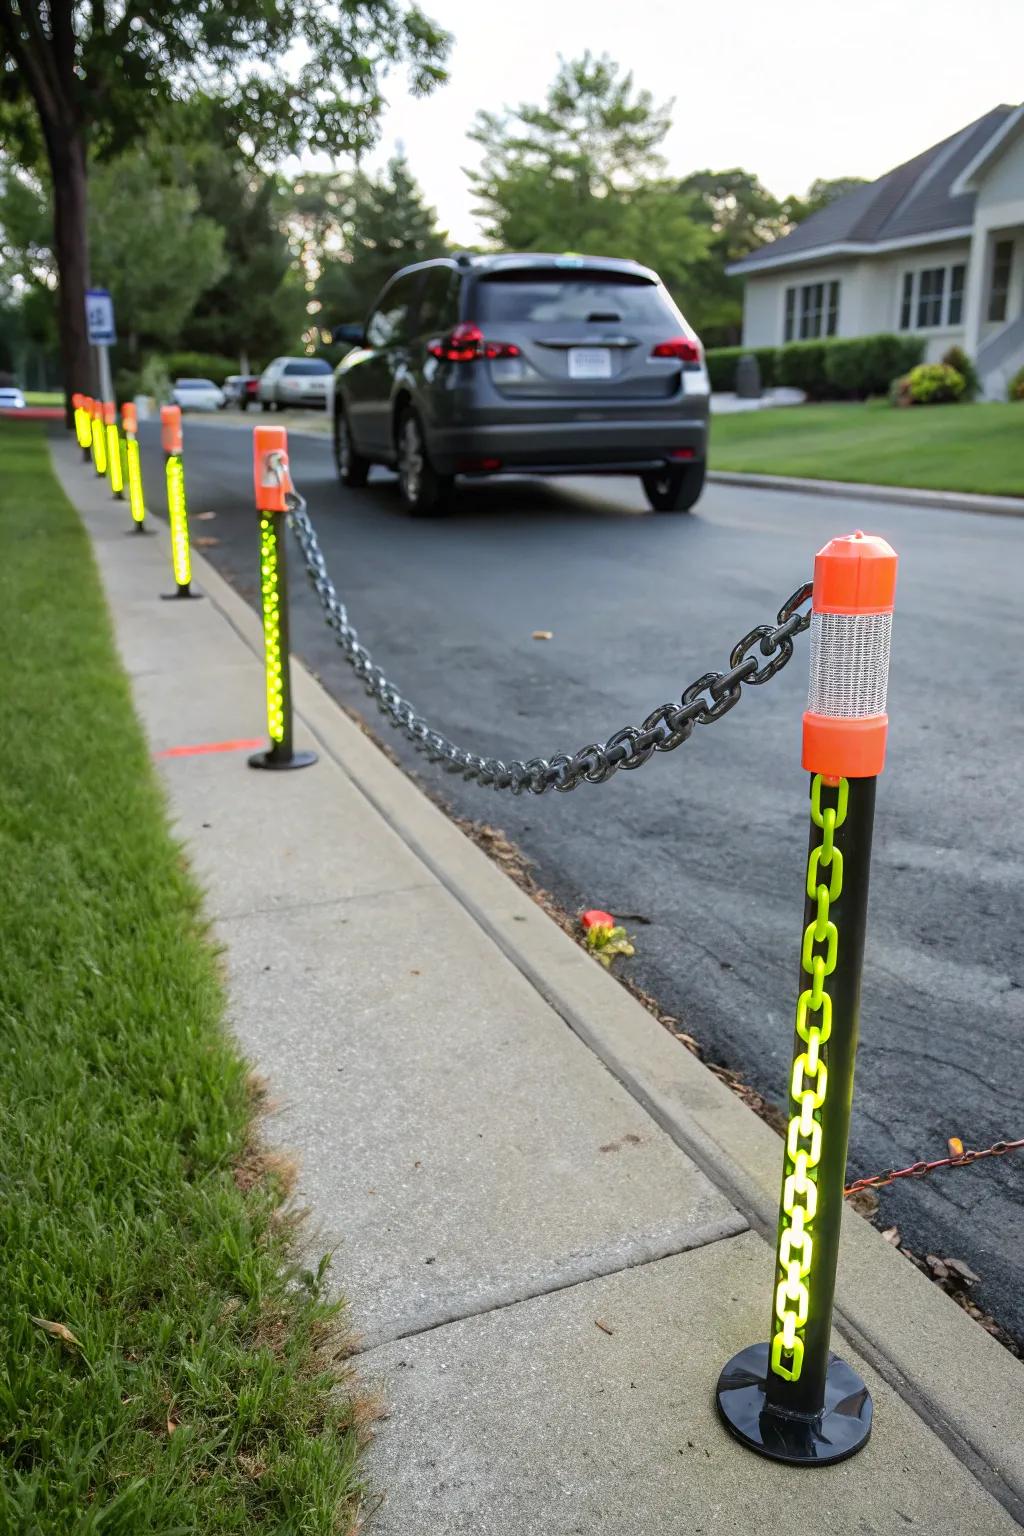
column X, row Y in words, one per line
column 466, row 344
column 683, row 348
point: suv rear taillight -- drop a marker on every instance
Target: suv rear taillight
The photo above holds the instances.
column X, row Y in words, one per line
column 683, row 348
column 466, row 344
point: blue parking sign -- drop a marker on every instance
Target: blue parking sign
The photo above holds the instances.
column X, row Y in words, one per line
column 99, row 317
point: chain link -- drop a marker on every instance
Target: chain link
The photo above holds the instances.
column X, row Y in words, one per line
column 665, row 728
column 920, row 1170
column 807, row 1090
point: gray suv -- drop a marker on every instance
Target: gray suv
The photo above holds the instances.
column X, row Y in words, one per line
column 537, row 365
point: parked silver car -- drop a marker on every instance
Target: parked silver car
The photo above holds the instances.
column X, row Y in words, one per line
column 292, row 381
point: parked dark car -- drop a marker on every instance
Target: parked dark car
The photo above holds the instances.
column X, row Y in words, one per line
column 241, row 389
column 533, row 364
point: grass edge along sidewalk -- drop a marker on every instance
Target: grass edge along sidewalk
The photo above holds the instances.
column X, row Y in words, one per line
column 168, row 1364
column 970, row 448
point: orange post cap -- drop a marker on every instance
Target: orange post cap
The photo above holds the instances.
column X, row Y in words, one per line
column 76, row 402
column 129, row 420
column 855, row 574
column 170, row 428
column 271, row 478
column 109, row 412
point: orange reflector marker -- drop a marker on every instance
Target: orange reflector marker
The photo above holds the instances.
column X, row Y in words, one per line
column 271, row 479
column 170, row 428
column 845, row 725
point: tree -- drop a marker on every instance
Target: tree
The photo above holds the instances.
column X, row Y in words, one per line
column 257, row 307
column 739, row 214
column 822, row 192
column 383, row 223
column 150, row 243
column 98, row 74
column 585, row 173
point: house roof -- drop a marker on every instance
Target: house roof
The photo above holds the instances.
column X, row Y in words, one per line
column 917, row 202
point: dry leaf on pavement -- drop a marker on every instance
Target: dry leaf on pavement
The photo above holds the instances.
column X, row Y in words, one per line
column 543, row 634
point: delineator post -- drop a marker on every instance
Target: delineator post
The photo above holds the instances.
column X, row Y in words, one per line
column 99, row 441
column 114, row 466
column 136, row 498
column 83, row 425
column 791, row 1399
column 272, row 485
column 177, row 504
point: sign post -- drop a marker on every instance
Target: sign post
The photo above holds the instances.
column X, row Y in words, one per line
column 99, row 323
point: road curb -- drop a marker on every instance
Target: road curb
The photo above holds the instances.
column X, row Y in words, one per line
column 850, row 490
column 967, row 1388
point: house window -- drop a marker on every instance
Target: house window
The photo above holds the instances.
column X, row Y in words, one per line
column 811, row 311
column 930, row 286
column 999, row 292
column 932, row 297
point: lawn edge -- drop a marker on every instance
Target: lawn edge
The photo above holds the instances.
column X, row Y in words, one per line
column 862, row 490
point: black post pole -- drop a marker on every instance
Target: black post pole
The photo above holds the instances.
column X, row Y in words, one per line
column 791, row 1399
column 273, row 484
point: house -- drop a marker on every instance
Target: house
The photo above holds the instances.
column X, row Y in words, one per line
column 934, row 248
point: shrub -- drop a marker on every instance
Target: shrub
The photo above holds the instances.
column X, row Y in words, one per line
column 867, row 365
column 721, row 364
column 127, row 384
column 802, row 366
column 1015, row 389
column 200, row 365
column 154, row 380
column 957, row 358
column 928, row 384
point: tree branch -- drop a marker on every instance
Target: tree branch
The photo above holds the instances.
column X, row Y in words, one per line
column 32, row 60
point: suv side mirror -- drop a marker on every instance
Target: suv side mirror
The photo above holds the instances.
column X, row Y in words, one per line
column 352, row 333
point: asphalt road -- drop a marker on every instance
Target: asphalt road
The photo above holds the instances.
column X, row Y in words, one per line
column 702, row 851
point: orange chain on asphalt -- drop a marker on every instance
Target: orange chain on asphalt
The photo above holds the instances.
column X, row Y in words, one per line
column 958, row 1158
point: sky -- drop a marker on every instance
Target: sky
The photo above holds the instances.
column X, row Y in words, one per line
column 789, row 89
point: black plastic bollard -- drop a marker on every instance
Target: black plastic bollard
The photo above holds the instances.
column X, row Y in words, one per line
column 791, row 1399
column 272, row 485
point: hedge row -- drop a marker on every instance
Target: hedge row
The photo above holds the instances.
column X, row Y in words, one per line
column 839, row 369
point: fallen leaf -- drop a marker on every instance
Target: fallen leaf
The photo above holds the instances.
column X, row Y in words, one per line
column 962, row 1270
column 57, row 1330
column 892, row 1235
column 956, row 1146
column 204, row 517
column 543, row 634
column 205, row 542
column 936, row 1266
column 603, row 1327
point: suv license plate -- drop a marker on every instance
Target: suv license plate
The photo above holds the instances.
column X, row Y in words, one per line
column 590, row 363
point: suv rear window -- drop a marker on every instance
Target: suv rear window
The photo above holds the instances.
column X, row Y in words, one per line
column 532, row 295
column 315, row 365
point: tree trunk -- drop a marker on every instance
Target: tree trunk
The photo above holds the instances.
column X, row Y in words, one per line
column 71, row 246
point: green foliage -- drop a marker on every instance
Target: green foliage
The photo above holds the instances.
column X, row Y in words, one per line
column 739, row 215
column 929, row 384
column 820, row 193
column 957, row 358
column 584, row 173
column 801, row 365
column 154, row 380
column 198, row 365
column 1015, row 388
column 861, row 366
column 721, row 365
column 359, row 232
column 195, row 1388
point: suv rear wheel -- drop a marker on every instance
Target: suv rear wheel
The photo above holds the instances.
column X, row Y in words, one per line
column 675, row 489
column 424, row 492
column 353, row 469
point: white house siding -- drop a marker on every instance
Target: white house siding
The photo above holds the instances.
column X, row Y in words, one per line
column 764, row 299
column 998, row 215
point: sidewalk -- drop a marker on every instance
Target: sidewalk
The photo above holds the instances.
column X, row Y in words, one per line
column 549, row 1218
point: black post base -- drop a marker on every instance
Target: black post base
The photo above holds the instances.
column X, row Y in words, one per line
column 86, row 455
column 136, row 528
column 171, row 597
column 840, row 1430
column 273, row 758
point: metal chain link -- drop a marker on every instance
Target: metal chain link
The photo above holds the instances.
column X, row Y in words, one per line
column 665, row 728
column 920, row 1170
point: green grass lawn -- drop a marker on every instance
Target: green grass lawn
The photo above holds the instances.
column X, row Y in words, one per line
column 195, row 1390
column 942, row 447
column 43, row 397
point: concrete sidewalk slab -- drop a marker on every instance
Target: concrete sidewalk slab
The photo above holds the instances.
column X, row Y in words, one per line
column 534, row 1421
column 460, row 1143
